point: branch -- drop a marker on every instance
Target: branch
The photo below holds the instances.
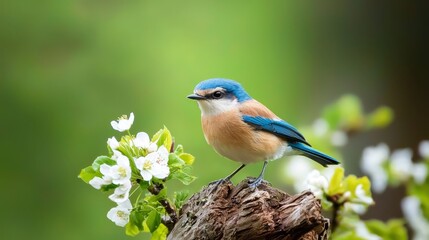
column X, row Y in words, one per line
column 155, row 189
column 229, row 212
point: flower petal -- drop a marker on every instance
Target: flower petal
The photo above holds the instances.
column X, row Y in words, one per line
column 139, row 162
column 105, row 169
column 113, row 143
column 131, row 119
column 320, row 127
column 97, row 182
column 424, row 149
column 141, row 140
column 147, row 176
column 316, row 181
column 123, row 124
column 419, row 172
column 160, row 171
column 120, row 215
column 114, row 125
column 401, row 163
column 362, row 196
column 121, row 193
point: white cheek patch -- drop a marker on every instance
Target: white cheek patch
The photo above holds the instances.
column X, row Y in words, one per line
column 217, row 106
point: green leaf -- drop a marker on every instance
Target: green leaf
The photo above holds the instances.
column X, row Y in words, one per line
column 350, row 109
column 420, row 191
column 179, row 149
column 88, row 173
column 106, row 188
column 332, row 116
column 180, row 198
column 326, row 204
column 144, row 184
column 160, row 233
column 153, row 220
column 350, row 183
column 187, row 158
column 163, row 137
column 161, row 195
column 376, row 226
column 131, row 229
column 183, row 177
column 350, row 235
column 335, row 185
column 393, row 229
column 381, row 117
column 137, row 218
column 102, row 160
column 345, row 113
column 174, row 161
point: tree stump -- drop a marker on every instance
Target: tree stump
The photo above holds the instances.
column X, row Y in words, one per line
column 239, row 212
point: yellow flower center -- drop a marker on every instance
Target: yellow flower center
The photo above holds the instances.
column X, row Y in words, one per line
column 122, row 172
column 121, row 214
column 147, row 165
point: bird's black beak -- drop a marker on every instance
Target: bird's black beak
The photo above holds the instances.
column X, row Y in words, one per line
column 196, row 97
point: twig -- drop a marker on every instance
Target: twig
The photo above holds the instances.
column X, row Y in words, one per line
column 155, row 189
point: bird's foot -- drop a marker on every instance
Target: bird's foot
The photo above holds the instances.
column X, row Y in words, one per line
column 254, row 183
column 219, row 182
column 215, row 184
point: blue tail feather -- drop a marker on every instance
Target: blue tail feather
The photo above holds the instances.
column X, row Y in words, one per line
column 312, row 153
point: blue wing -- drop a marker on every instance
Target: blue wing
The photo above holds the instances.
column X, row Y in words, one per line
column 277, row 127
column 291, row 135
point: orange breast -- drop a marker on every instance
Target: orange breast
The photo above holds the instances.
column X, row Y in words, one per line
column 236, row 140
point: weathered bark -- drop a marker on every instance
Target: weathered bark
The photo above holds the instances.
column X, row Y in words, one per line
column 228, row 212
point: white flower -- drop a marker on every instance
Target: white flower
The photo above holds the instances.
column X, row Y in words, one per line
column 339, row 138
column 329, row 171
column 355, row 207
column 424, row 149
column 419, row 172
column 119, row 173
column 372, row 162
column 362, row 231
column 161, row 156
column 155, row 164
column 116, row 154
column 122, row 192
column 401, row 164
column 320, row 127
column 97, row 182
column 142, row 141
column 362, row 196
column 317, row 183
column 106, row 179
column 360, row 202
column 415, row 218
column 296, row 170
column 113, row 143
column 120, row 215
column 124, row 123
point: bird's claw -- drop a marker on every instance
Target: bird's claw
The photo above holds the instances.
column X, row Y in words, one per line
column 219, row 182
column 253, row 184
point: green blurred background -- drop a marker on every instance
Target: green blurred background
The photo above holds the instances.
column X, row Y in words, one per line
column 67, row 68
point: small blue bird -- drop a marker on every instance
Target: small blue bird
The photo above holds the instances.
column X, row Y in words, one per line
column 244, row 130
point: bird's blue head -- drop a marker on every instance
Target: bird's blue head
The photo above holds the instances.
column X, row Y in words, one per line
column 217, row 88
column 218, row 95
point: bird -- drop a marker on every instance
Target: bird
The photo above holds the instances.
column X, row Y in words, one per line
column 244, row 130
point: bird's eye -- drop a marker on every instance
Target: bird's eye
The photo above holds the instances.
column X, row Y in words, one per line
column 217, row 94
